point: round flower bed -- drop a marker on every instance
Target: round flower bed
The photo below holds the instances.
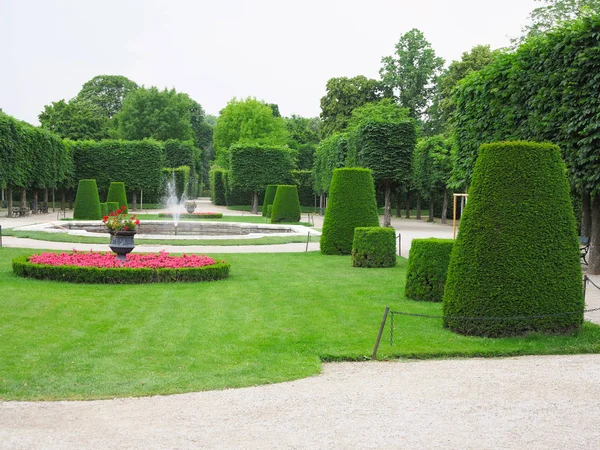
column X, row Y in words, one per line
column 196, row 215
column 99, row 267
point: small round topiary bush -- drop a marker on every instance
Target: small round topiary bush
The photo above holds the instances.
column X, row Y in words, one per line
column 112, row 206
column 351, row 204
column 116, row 193
column 517, row 252
column 87, row 201
column 286, row 204
column 427, row 268
column 269, row 197
column 374, row 247
column 103, row 209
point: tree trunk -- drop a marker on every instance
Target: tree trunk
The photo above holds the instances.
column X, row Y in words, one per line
column 255, row 202
column 418, row 205
column 53, row 200
column 63, row 200
column 430, row 208
column 71, row 200
column 35, row 202
column 445, row 206
column 586, row 215
column 387, row 211
column 321, row 203
column 23, row 203
column 408, row 204
column 9, row 200
column 46, row 198
column 594, row 253
column 399, row 203
column 134, row 200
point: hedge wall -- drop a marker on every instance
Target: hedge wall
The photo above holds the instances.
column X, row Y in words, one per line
column 218, row 186
column 304, row 180
column 351, row 204
column 427, row 269
column 517, row 252
column 138, row 164
column 87, row 201
column 374, row 247
column 286, row 207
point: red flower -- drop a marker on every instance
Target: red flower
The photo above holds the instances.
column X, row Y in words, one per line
column 105, row 219
column 137, row 222
column 123, row 208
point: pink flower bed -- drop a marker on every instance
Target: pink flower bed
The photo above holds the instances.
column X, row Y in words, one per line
column 135, row 260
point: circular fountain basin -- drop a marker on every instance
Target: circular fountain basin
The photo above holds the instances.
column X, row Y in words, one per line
column 157, row 229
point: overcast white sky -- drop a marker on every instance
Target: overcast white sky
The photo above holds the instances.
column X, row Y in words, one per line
column 276, row 50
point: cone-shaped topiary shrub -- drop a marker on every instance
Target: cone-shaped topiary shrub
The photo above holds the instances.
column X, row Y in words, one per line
column 269, row 197
column 269, row 211
column 374, row 247
column 116, row 193
column 87, row 201
column 427, row 268
column 517, row 252
column 103, row 209
column 112, row 206
column 351, row 204
column 286, row 205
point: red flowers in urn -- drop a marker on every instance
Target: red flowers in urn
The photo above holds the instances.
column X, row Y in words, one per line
column 119, row 221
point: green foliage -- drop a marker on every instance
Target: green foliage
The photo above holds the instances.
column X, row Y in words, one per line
column 331, row 154
column 122, row 275
column 150, row 113
column 342, row 97
column 411, row 71
column 351, row 204
column 138, row 164
column 185, row 153
column 76, row 120
column 374, row 247
column 182, row 178
column 117, row 193
column 106, row 93
column 269, row 197
column 87, row 201
column 112, row 206
column 103, row 209
column 286, row 206
column 302, row 131
column 427, row 269
column 218, row 186
column 517, row 252
column 546, row 91
column 304, row 180
column 246, row 122
column 432, row 165
column 269, row 211
column 385, row 110
column 255, row 166
column 31, row 157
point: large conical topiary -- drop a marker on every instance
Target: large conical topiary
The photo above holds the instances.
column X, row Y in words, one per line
column 116, row 193
column 87, row 201
column 269, row 197
column 351, row 204
column 286, row 205
column 517, row 252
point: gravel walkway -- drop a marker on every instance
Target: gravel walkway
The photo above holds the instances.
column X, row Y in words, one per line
column 543, row 402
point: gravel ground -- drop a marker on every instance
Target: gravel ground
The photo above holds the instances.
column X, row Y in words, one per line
column 548, row 402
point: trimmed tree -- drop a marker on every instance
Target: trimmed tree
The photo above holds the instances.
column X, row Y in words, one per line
column 269, row 197
column 286, row 205
column 374, row 247
column 517, row 252
column 427, row 269
column 116, row 193
column 351, row 204
column 87, row 201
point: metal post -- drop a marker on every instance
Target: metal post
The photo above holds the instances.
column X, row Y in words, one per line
column 307, row 241
column 385, row 314
column 0, row 235
column 399, row 244
column 585, row 277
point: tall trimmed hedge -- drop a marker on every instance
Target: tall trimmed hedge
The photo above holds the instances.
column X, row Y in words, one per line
column 182, row 177
column 427, row 269
column 286, row 206
column 117, row 193
column 374, row 247
column 351, row 204
column 87, row 201
column 269, row 197
column 218, row 186
column 304, row 180
column 138, row 164
column 517, row 252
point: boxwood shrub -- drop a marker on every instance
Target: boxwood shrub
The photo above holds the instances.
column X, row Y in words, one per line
column 269, row 211
column 351, row 204
column 116, row 193
column 103, row 209
column 112, row 206
column 110, row 275
column 517, row 252
column 87, row 201
column 374, row 247
column 286, row 205
column 269, row 197
column 427, row 268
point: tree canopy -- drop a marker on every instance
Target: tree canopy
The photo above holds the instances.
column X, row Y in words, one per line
column 107, row 93
column 76, row 120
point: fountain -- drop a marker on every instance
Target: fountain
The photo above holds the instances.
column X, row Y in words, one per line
column 171, row 201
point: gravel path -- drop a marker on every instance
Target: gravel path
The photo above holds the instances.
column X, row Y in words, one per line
column 548, row 402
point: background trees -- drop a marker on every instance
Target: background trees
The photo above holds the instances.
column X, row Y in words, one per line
column 107, row 93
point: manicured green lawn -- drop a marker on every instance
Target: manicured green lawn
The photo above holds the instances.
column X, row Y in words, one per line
column 275, row 319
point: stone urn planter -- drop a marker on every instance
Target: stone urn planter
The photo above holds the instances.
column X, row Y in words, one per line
column 121, row 242
column 190, row 207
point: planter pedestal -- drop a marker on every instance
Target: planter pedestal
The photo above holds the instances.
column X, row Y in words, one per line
column 121, row 242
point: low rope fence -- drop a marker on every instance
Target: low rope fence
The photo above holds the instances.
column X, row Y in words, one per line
column 387, row 312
